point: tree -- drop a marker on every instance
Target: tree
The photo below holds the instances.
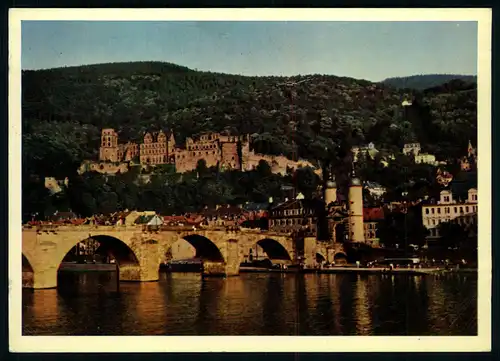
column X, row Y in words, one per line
column 201, row 168
column 452, row 234
column 264, row 169
column 306, row 181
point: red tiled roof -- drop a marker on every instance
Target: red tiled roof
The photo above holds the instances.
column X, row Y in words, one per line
column 373, row 214
column 78, row 221
column 174, row 218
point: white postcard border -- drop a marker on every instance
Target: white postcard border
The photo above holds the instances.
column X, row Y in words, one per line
column 482, row 342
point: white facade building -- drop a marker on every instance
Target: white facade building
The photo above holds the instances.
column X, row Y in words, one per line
column 369, row 148
column 447, row 209
column 425, row 158
column 411, row 148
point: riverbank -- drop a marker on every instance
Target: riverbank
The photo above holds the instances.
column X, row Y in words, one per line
column 360, row 270
column 106, row 267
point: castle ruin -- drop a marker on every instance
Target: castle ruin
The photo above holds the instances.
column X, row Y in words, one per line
column 218, row 150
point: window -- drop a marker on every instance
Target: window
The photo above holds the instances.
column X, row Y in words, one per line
column 427, row 211
column 467, row 209
column 447, row 209
column 461, row 209
column 446, row 198
column 439, row 210
column 432, row 210
column 455, row 209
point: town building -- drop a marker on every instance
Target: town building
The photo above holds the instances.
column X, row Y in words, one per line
column 364, row 149
column 376, row 190
column 443, row 177
column 55, row 185
column 415, row 150
column 371, row 218
column 223, row 216
column 344, row 218
column 425, row 158
column 449, row 210
column 149, row 220
column 411, row 148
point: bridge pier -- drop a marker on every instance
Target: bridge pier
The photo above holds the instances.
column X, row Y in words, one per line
column 229, row 267
column 133, row 273
column 211, row 268
column 310, row 249
column 42, row 279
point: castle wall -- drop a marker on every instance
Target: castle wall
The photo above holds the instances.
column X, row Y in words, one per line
column 214, row 148
column 230, row 158
column 104, row 168
column 278, row 164
column 108, row 154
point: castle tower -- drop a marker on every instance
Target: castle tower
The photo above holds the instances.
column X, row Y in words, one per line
column 331, row 192
column 356, row 227
column 108, row 150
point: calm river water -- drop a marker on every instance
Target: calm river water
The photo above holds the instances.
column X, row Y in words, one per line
column 254, row 304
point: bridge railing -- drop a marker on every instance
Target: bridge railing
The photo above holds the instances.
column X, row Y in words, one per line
column 145, row 228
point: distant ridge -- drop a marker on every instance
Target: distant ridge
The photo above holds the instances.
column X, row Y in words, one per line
column 421, row 82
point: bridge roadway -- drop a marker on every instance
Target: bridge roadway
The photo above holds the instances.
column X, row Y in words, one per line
column 139, row 250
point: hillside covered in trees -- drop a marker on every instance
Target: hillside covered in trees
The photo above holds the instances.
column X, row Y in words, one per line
column 421, row 82
column 317, row 117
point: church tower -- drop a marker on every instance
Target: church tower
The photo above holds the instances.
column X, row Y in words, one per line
column 356, row 227
column 470, row 150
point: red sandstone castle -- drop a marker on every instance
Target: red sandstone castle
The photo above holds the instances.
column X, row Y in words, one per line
column 225, row 151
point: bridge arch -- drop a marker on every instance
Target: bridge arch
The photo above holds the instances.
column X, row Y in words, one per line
column 340, row 258
column 27, row 272
column 274, row 249
column 205, row 248
column 320, row 258
column 118, row 249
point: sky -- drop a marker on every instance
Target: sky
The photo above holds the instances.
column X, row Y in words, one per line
column 364, row 50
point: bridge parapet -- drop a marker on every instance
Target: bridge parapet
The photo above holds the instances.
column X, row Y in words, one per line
column 83, row 228
column 139, row 228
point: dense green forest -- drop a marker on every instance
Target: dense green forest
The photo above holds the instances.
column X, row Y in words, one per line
column 317, row 117
column 422, row 82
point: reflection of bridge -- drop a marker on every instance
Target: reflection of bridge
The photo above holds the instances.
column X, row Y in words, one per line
column 139, row 251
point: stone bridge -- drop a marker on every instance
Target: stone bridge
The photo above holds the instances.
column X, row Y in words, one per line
column 139, row 250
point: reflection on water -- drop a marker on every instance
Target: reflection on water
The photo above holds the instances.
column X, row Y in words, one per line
column 254, row 304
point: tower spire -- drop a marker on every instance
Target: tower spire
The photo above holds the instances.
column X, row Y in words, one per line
column 470, row 149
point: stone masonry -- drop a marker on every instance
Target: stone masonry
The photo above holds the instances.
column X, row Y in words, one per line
column 139, row 251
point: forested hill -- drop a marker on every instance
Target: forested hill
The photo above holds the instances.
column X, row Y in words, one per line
column 421, row 82
column 64, row 110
